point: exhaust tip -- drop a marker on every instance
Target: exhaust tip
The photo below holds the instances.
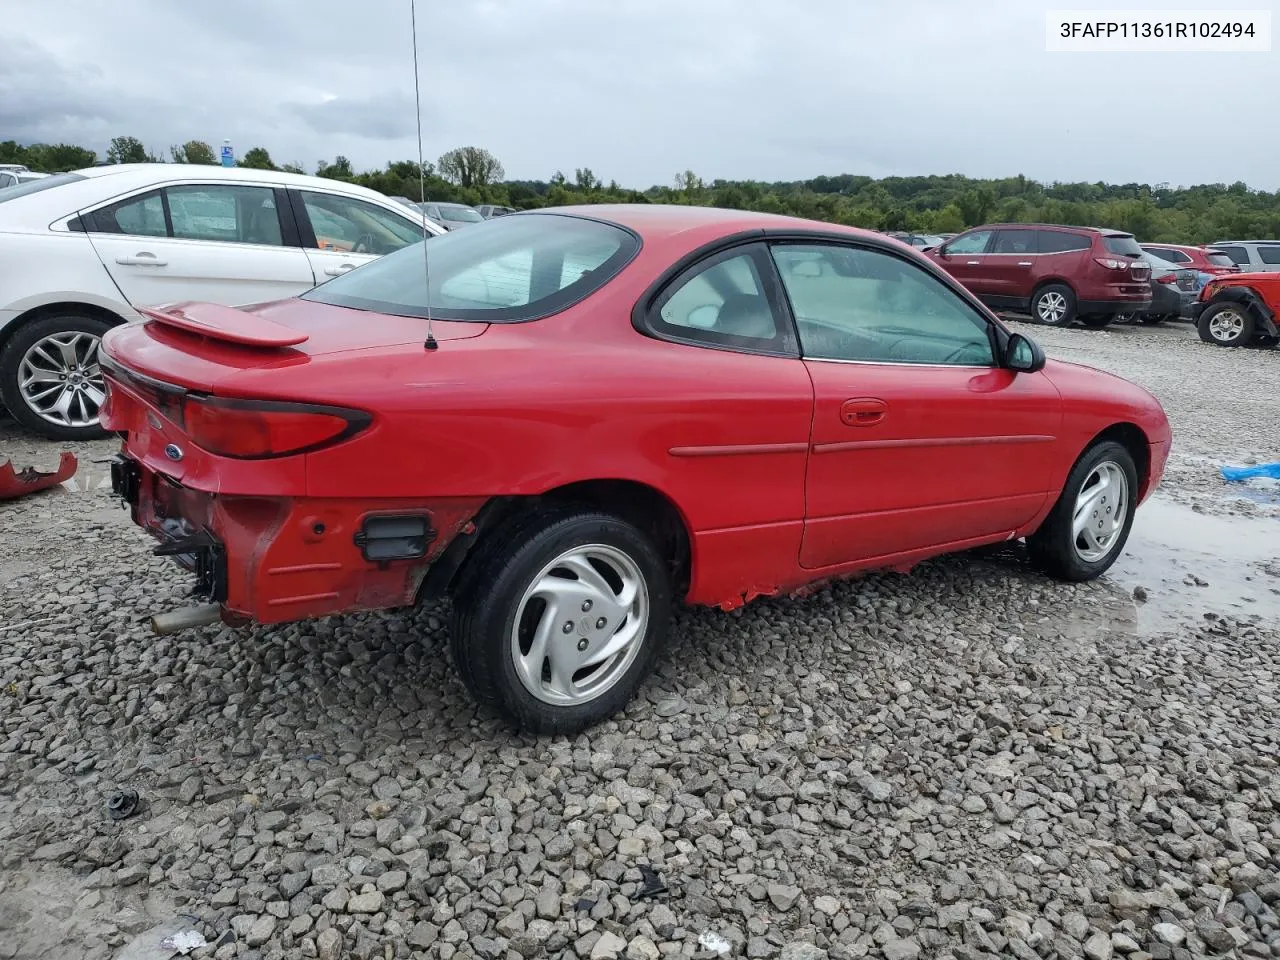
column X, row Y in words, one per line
column 176, row 620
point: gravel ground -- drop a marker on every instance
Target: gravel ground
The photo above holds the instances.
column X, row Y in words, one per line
column 970, row 761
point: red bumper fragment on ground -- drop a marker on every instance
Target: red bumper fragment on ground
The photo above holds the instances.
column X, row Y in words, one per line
column 15, row 483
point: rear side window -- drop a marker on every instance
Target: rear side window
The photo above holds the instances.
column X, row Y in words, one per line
column 1122, row 244
column 225, row 213
column 141, row 216
column 1015, row 241
column 500, row 271
column 1058, row 241
column 1269, row 254
column 1220, row 260
column 1239, row 255
column 1168, row 253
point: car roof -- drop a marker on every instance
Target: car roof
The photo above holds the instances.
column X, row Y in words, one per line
column 1104, row 231
column 657, row 220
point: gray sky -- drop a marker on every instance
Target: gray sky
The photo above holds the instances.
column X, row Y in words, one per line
column 638, row 90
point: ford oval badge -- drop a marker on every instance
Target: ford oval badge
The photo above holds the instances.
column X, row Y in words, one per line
column 173, row 452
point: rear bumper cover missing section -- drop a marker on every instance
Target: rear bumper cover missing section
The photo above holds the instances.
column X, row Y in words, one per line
column 276, row 559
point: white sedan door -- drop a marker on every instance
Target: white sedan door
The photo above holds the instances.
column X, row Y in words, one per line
column 342, row 232
column 222, row 243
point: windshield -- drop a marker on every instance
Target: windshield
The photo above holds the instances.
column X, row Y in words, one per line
column 1123, row 244
column 35, row 186
column 505, row 270
column 460, row 214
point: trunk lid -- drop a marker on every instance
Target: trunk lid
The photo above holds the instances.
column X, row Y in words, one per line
column 197, row 345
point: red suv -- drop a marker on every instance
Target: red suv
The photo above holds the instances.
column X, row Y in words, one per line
column 1203, row 259
column 1057, row 274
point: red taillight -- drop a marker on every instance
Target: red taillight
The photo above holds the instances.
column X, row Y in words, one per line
column 255, row 429
column 1167, row 278
column 1112, row 264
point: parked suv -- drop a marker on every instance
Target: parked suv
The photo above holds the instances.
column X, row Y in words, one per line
column 1055, row 273
column 1200, row 259
column 1252, row 256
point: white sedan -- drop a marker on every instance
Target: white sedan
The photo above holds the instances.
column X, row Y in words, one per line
column 80, row 250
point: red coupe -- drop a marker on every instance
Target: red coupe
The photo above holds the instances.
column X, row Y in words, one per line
column 569, row 420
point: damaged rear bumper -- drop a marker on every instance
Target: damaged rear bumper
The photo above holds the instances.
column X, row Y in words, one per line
column 275, row 559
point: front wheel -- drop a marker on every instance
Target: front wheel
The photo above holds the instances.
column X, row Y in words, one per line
column 563, row 617
column 50, row 379
column 1225, row 325
column 1088, row 526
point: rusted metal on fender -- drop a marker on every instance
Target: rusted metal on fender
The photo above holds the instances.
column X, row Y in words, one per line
column 20, row 483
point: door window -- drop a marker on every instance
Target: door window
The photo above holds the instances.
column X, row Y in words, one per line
column 353, row 226
column 141, row 216
column 1269, row 255
column 1239, row 255
column 975, row 242
column 1169, row 254
column 225, row 213
column 1015, row 241
column 863, row 305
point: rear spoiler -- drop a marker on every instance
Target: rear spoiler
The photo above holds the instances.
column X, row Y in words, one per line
column 228, row 324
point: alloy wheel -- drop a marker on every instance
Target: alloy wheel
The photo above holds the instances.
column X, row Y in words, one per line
column 60, row 381
column 1052, row 307
column 1226, row 326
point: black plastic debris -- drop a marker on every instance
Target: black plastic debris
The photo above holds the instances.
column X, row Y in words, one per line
column 651, row 884
column 585, row 905
column 122, row 804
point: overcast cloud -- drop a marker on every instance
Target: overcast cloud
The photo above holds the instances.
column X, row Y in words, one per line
column 638, row 90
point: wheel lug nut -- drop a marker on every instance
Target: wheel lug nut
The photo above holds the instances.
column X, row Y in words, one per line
column 600, row 624
column 582, row 644
column 568, row 626
column 586, row 605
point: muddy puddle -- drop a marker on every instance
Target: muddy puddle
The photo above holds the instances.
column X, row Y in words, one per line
column 1190, row 563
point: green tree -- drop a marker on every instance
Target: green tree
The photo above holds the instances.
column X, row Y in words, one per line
column 129, row 150
column 293, row 168
column 470, row 167
column 257, row 158
column 340, row 169
column 194, row 151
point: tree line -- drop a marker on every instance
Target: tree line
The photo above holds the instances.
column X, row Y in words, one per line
column 926, row 204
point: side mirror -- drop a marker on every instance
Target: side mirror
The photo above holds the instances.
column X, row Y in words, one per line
column 1023, row 355
column 940, row 249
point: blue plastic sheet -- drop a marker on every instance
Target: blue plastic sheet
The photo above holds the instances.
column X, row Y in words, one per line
column 1236, row 474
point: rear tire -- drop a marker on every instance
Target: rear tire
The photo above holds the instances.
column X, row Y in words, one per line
column 1096, row 321
column 1084, row 532
column 1226, row 325
column 561, row 566
column 38, row 353
column 1054, row 305
column 1151, row 320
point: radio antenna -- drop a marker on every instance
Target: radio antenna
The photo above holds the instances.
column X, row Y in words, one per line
column 422, row 173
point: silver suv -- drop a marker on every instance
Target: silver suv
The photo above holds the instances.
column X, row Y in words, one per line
column 1252, row 256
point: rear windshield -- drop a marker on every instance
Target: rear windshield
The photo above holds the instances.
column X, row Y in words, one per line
column 1237, row 255
column 1220, row 260
column 461, row 214
column 1123, row 244
column 35, row 186
column 499, row 271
